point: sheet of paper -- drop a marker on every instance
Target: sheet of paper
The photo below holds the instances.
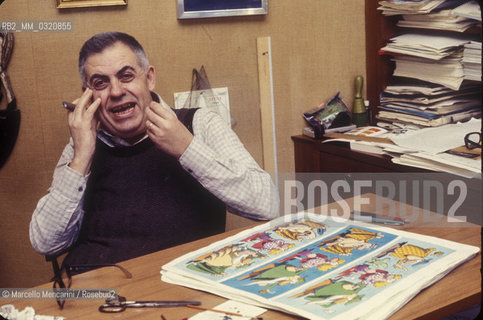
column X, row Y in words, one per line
column 247, row 310
column 216, row 98
column 438, row 139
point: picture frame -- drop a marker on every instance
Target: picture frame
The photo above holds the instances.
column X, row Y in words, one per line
column 192, row 9
column 62, row 4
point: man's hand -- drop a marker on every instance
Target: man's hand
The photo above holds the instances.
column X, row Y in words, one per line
column 166, row 131
column 83, row 127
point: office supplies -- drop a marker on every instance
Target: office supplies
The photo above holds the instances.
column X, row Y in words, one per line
column 319, row 268
column 375, row 218
column 120, row 304
column 69, row 106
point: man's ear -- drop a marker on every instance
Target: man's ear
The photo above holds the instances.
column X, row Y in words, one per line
column 151, row 78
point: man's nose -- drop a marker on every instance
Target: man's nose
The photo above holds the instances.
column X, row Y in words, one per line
column 117, row 88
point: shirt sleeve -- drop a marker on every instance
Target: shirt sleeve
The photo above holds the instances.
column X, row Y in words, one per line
column 220, row 162
column 55, row 223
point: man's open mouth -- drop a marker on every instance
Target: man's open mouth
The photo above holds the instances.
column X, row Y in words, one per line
column 125, row 108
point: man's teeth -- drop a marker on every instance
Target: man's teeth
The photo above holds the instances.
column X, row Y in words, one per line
column 125, row 107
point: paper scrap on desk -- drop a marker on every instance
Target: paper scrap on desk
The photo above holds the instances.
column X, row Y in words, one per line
column 247, row 310
column 438, row 139
column 8, row 311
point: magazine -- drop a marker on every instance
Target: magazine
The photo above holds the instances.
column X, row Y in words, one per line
column 320, row 268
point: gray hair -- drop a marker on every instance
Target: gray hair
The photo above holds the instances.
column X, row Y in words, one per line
column 101, row 41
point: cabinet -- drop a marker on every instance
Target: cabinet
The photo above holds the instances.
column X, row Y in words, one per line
column 316, row 156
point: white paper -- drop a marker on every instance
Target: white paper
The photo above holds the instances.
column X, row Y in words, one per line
column 438, row 139
column 248, row 312
column 216, row 98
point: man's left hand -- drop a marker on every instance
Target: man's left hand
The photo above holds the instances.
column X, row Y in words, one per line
column 166, row 131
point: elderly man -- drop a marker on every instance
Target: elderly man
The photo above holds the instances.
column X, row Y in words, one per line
column 137, row 176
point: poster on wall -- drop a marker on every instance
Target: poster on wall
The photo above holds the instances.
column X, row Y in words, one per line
column 189, row 9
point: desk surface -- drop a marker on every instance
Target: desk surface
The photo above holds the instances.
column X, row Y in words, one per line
column 458, row 290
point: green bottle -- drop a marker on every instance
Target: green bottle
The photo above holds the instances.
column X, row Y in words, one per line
column 359, row 112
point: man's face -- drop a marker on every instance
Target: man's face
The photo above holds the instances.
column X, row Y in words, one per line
column 114, row 75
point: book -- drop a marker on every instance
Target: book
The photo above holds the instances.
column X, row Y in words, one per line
column 317, row 267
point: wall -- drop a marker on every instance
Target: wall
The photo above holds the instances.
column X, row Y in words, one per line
column 317, row 50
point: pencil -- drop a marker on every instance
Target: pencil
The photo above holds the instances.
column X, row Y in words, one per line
column 214, row 310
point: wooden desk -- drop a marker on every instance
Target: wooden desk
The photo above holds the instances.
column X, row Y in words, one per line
column 458, row 290
column 315, row 156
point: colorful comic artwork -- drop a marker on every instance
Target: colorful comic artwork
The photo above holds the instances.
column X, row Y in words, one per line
column 318, row 268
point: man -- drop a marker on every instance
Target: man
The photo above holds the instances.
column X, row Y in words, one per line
column 137, row 176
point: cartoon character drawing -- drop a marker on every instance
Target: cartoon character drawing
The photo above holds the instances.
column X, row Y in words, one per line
column 370, row 276
column 308, row 260
column 282, row 272
column 301, row 230
column 411, row 255
column 264, row 242
column 216, row 262
column 274, row 275
column 354, row 238
column 331, row 292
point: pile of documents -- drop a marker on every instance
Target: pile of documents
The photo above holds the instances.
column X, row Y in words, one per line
column 433, row 57
column 472, row 61
column 430, row 148
column 318, row 268
column 427, row 105
column 396, row 7
column 438, row 20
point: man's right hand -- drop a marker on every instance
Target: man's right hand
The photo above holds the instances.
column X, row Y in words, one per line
column 83, row 127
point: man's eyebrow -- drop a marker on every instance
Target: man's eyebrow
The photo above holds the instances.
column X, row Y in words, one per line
column 124, row 69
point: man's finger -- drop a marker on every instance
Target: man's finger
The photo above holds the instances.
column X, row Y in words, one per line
column 83, row 100
column 159, row 110
column 94, row 106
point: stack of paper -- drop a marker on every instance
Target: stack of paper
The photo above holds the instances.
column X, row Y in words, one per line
column 430, row 145
column 320, row 268
column 472, row 61
column 438, row 20
column 435, row 60
column 469, row 9
column 430, row 104
column 395, row 7
column 426, row 45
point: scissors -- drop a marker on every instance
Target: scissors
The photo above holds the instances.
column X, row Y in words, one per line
column 120, row 304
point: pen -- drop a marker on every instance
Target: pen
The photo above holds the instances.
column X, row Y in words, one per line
column 69, row 106
column 374, row 218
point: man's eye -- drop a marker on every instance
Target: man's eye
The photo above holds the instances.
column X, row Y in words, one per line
column 99, row 84
column 125, row 77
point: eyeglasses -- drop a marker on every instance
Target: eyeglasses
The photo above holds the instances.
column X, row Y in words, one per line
column 473, row 140
column 67, row 272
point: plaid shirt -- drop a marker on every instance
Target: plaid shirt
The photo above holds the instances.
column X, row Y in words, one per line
column 215, row 157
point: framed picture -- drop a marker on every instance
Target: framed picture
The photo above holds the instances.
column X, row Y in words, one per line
column 189, row 9
column 89, row 3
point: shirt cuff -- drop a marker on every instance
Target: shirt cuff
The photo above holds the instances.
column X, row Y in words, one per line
column 197, row 158
column 70, row 183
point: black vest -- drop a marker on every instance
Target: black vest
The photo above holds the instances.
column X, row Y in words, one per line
column 140, row 200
